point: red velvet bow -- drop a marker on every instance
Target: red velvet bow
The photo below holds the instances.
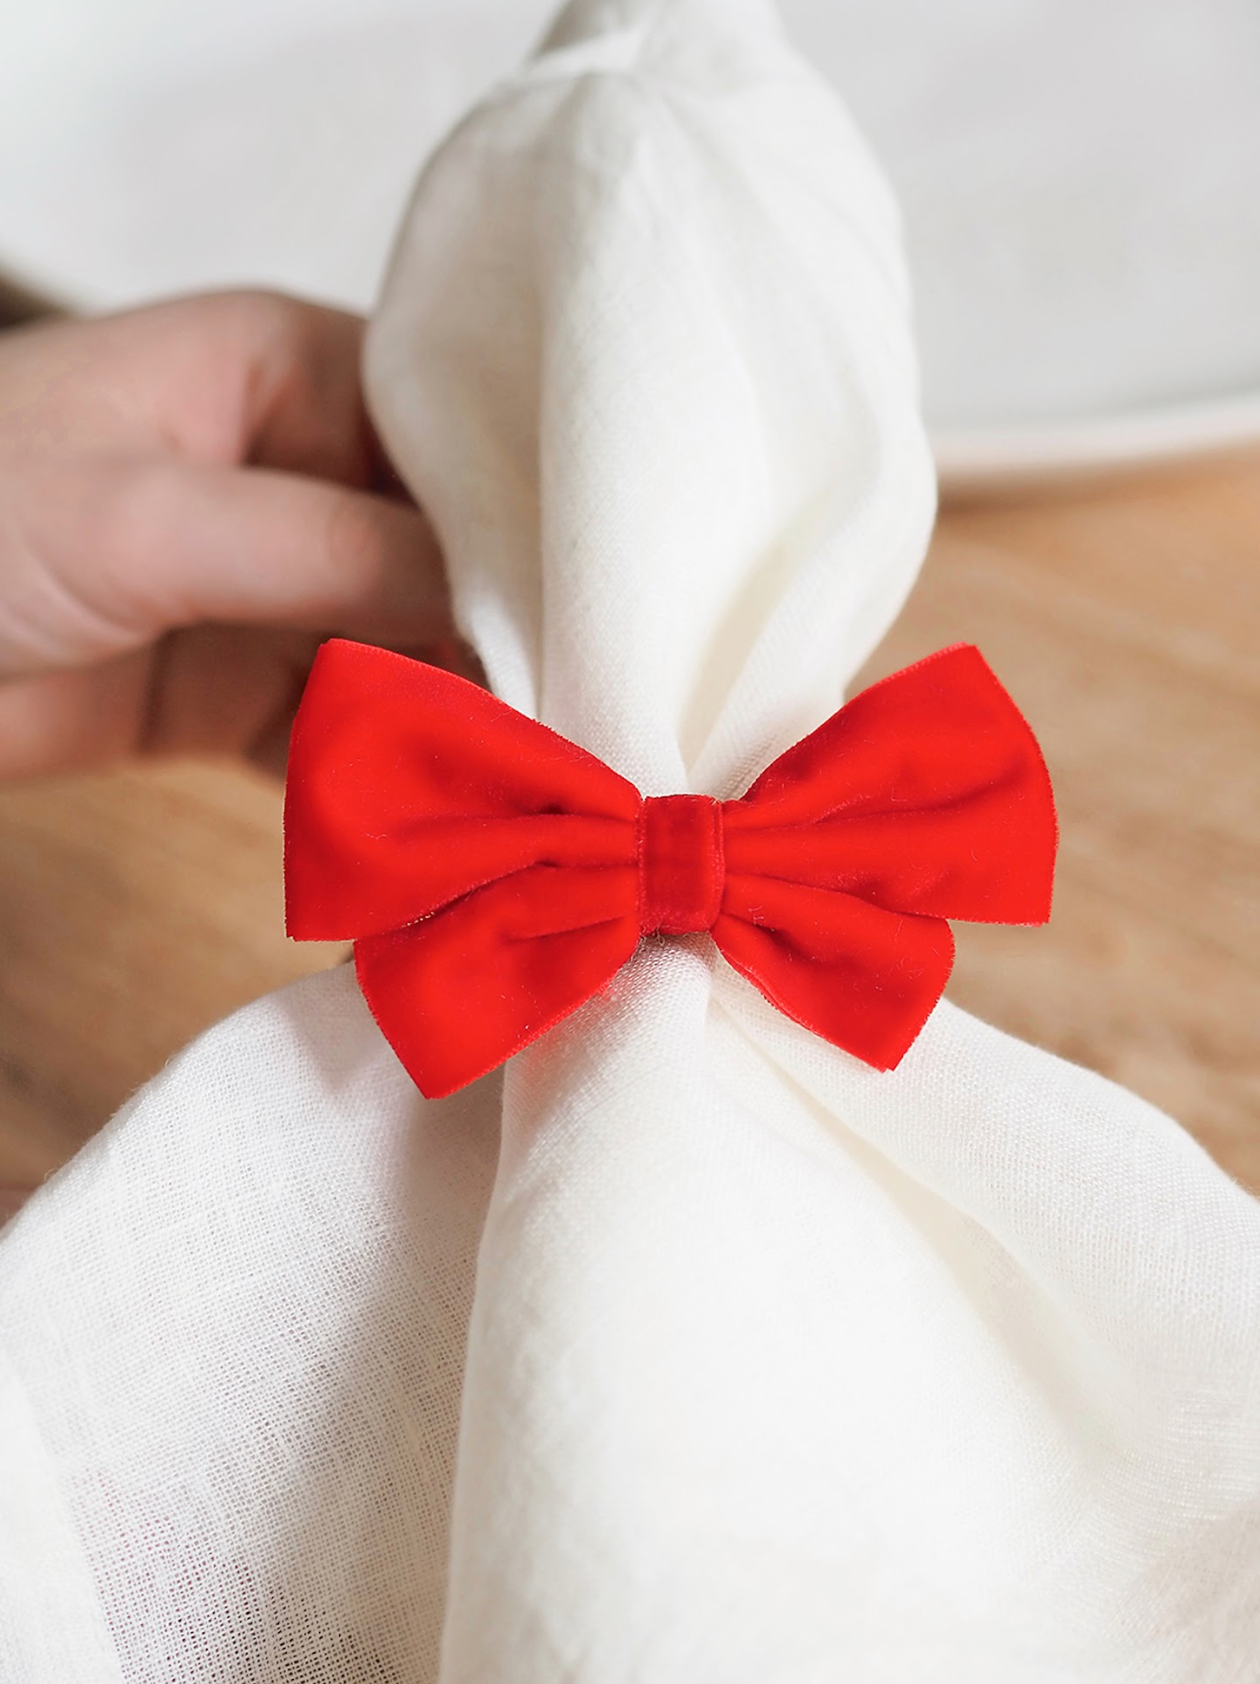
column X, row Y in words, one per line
column 494, row 875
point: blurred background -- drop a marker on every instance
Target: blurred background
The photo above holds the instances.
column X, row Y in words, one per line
column 1081, row 188
column 1079, row 177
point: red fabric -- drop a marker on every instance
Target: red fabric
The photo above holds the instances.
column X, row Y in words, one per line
column 682, row 868
column 494, row 875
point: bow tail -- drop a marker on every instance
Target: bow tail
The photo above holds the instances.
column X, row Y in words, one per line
column 862, row 977
column 457, row 993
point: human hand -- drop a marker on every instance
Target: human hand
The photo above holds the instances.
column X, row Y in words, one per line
column 191, row 500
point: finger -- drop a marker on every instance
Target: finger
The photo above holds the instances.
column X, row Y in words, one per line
column 211, row 690
column 214, row 690
column 71, row 721
column 226, row 690
column 300, row 390
column 178, row 544
column 234, row 378
column 233, row 689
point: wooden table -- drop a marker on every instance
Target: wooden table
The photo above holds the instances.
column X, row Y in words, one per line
column 137, row 907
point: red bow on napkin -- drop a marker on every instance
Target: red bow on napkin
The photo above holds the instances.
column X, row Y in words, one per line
column 494, row 875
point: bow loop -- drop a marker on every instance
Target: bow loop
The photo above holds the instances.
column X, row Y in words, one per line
column 927, row 793
column 408, row 787
column 495, row 875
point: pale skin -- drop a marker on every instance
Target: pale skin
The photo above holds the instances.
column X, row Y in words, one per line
column 191, row 500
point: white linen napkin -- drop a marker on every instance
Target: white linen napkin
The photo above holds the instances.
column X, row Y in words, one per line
column 687, row 1348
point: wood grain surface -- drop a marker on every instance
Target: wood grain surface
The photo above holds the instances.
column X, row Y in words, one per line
column 139, row 906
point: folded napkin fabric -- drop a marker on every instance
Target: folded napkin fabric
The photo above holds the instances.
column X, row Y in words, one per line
column 685, row 1347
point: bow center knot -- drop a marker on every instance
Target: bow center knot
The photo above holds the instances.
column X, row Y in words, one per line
column 682, row 865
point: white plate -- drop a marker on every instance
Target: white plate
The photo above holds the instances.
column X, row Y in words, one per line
column 1081, row 182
